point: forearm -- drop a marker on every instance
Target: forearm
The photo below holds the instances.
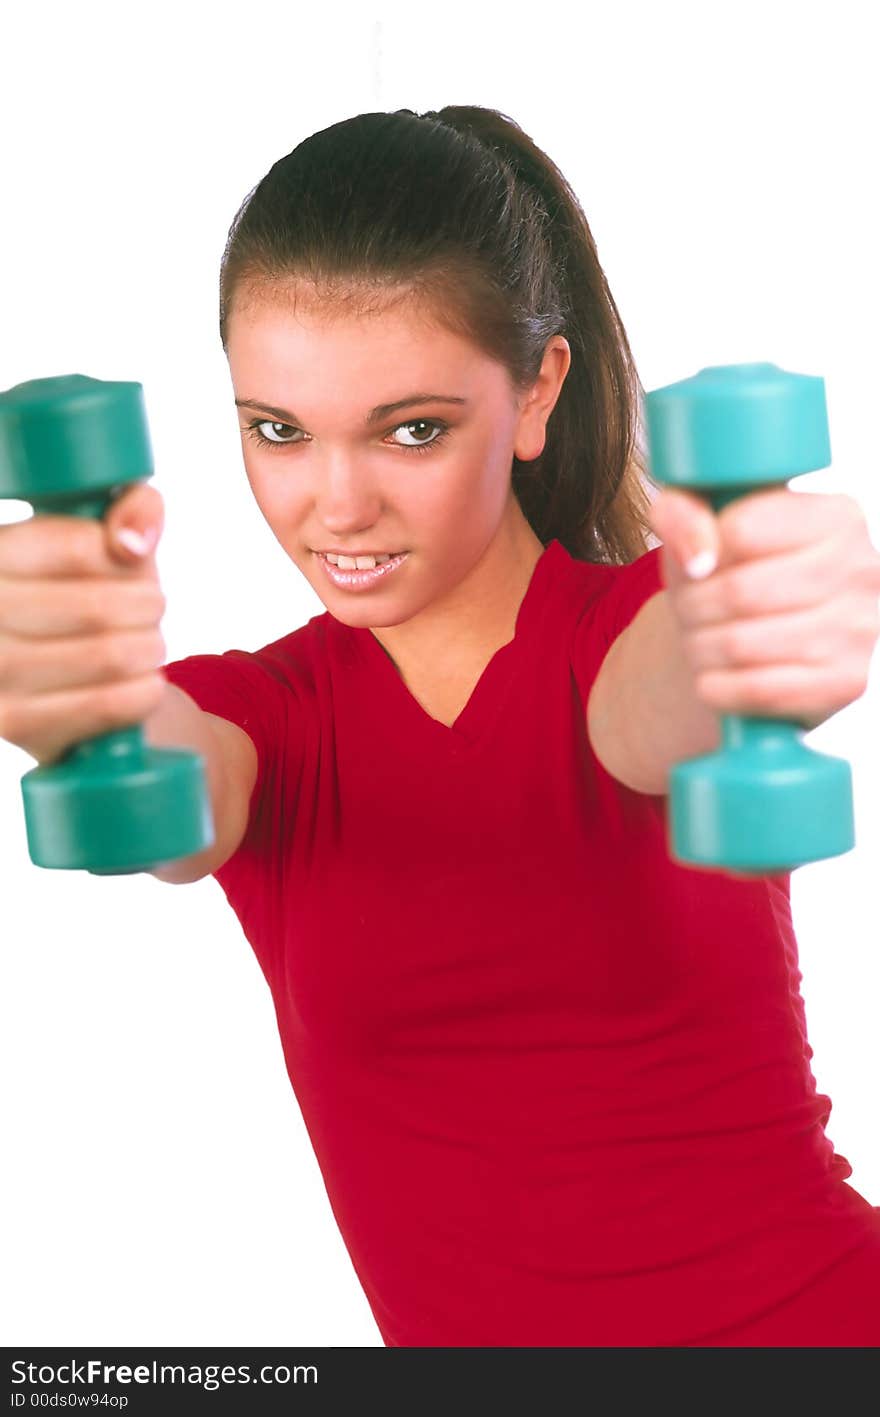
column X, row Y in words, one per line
column 178, row 722
column 644, row 710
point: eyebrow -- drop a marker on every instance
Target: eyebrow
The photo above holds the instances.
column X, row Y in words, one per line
column 376, row 415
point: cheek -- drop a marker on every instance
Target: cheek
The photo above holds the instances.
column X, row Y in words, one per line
column 276, row 495
column 473, row 483
column 481, row 484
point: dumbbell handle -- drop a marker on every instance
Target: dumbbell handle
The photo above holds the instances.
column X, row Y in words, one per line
column 742, row 731
column 120, row 744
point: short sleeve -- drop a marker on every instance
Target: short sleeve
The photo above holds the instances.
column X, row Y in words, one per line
column 614, row 602
column 269, row 695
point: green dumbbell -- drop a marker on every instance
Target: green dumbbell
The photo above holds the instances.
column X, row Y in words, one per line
column 765, row 803
column 112, row 805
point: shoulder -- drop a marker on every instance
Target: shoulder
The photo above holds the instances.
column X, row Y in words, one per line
column 294, row 660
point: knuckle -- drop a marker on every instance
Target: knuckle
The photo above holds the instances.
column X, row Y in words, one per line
column 10, row 722
column 850, row 506
column 821, row 642
column 114, row 659
column 121, row 704
column 151, row 601
column 694, row 647
column 825, row 651
column 151, row 692
column 141, row 653
column 860, row 624
column 857, row 682
column 760, row 694
column 9, row 603
column 83, row 551
column 106, row 708
column 735, row 523
column 871, row 570
column 740, row 536
column 72, row 545
column 822, row 649
column 738, row 597
column 93, row 607
column 711, row 688
column 868, row 631
column 736, row 642
column 145, row 605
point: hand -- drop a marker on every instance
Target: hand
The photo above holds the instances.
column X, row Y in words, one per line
column 80, row 644
column 786, row 625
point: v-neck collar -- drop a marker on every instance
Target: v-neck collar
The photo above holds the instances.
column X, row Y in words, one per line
column 479, row 711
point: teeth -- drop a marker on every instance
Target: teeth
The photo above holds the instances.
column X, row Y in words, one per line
column 357, row 563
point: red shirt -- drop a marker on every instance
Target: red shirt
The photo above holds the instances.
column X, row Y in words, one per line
column 558, row 1085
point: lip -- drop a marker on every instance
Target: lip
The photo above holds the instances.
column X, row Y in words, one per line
column 331, row 552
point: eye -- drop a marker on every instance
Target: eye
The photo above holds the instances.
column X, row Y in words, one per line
column 252, row 430
column 441, row 430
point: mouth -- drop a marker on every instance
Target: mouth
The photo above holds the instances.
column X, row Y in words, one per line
column 359, row 560
column 362, row 572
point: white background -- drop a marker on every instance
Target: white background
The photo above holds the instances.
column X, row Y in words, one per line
column 158, row 1185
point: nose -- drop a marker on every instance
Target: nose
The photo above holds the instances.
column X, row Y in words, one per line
column 348, row 501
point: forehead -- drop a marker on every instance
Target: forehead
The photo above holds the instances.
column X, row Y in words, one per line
column 283, row 334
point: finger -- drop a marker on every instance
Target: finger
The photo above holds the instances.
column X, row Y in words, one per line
column 687, row 527
column 62, row 608
column 70, row 547
column 788, row 691
column 47, row 547
column 57, row 665
column 780, row 519
column 801, row 580
column 819, row 635
column 141, row 511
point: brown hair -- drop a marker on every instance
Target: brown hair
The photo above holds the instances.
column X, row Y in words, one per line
column 461, row 210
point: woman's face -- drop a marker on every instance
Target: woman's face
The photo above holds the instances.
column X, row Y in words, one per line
column 431, row 478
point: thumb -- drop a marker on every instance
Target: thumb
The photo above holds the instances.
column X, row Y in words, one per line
column 134, row 523
column 688, row 528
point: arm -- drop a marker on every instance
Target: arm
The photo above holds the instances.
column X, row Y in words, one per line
column 643, row 715
column 230, row 770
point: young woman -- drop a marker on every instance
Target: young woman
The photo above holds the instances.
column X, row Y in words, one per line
column 558, row 1085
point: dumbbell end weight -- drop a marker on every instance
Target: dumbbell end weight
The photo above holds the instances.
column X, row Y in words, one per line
column 115, row 805
column 762, row 804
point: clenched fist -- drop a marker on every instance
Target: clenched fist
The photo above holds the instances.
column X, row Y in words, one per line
column 80, row 644
column 786, row 623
